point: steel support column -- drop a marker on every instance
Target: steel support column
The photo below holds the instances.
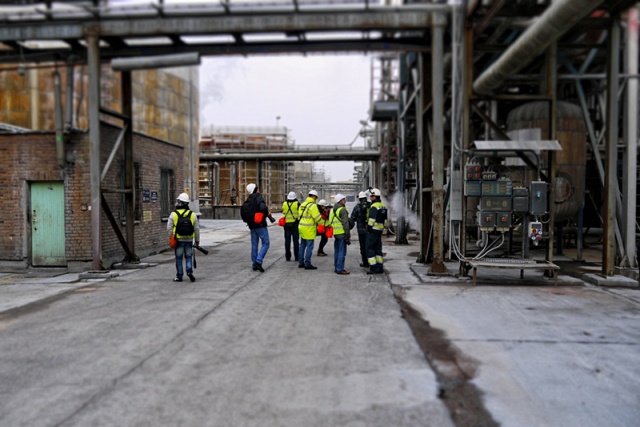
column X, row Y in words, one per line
column 631, row 138
column 551, row 82
column 437, row 88
column 93, row 62
column 609, row 215
column 424, row 158
column 129, row 184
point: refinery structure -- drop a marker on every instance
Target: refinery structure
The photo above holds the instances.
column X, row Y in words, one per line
column 509, row 129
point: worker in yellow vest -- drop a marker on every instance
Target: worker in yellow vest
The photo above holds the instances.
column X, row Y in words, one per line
column 309, row 218
column 375, row 226
column 291, row 215
column 339, row 220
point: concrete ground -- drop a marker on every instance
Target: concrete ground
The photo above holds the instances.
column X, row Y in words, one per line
column 509, row 351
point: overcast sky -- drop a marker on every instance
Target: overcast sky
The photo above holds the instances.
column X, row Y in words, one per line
column 320, row 98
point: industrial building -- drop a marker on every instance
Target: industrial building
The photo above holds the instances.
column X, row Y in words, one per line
column 222, row 184
column 510, row 128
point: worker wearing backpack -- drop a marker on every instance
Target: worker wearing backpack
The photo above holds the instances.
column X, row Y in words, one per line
column 183, row 224
column 257, row 224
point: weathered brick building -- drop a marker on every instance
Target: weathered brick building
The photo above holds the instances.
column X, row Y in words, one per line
column 50, row 223
column 31, row 162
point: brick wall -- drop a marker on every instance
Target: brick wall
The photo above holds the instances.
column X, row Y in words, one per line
column 32, row 157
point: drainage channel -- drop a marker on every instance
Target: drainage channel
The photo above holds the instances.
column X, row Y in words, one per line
column 453, row 370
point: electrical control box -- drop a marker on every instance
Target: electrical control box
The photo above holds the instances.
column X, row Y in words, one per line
column 495, row 203
column 473, row 188
column 501, row 187
column 503, row 221
column 535, row 232
column 487, row 220
column 538, row 197
column 474, row 173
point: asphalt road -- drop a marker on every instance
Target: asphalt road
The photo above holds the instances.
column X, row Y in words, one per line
column 287, row 347
column 291, row 347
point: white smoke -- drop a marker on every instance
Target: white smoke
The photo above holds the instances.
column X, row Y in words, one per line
column 397, row 206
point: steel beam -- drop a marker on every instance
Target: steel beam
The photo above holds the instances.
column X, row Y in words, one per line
column 352, row 155
column 406, row 17
column 94, row 151
column 631, row 137
column 613, row 68
column 437, row 111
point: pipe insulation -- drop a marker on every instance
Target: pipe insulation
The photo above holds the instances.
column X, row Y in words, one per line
column 58, row 119
column 559, row 18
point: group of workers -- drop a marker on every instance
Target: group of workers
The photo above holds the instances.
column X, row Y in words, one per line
column 306, row 220
column 302, row 223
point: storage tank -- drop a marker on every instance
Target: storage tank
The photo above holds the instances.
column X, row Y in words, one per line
column 570, row 161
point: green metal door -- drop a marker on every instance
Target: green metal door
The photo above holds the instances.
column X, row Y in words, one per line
column 47, row 224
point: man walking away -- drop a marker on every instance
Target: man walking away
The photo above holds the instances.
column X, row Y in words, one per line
column 375, row 226
column 360, row 216
column 339, row 220
column 258, row 227
column 324, row 208
column 184, row 225
column 290, row 208
column 309, row 217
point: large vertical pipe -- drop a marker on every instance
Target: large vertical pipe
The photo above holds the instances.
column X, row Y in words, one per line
column 424, row 153
column 58, row 119
column 68, row 110
column 630, row 187
column 93, row 60
column 551, row 82
column 609, row 214
column 437, row 89
column 129, row 184
column 457, row 109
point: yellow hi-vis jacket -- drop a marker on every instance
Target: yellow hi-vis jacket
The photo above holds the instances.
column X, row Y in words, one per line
column 290, row 210
column 373, row 214
column 339, row 220
column 309, row 217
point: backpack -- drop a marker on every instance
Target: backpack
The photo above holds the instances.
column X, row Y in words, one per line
column 248, row 210
column 184, row 227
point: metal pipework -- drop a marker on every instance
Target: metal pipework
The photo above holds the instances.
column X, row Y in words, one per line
column 554, row 22
column 57, row 117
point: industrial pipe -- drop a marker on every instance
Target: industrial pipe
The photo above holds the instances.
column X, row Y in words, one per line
column 554, row 22
column 57, row 117
column 68, row 112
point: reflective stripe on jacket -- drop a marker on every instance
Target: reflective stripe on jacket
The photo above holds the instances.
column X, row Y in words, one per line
column 373, row 213
column 309, row 217
column 290, row 211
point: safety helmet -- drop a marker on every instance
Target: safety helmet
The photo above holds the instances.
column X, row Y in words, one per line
column 362, row 195
column 375, row 192
column 322, row 202
column 291, row 196
column 251, row 188
column 313, row 193
column 327, row 203
column 338, row 197
column 183, row 197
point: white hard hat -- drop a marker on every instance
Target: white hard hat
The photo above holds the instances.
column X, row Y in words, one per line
column 291, row 196
column 251, row 188
column 183, row 197
column 362, row 195
column 375, row 192
column 313, row 193
column 322, row 202
column 338, row 197
column 327, row 203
